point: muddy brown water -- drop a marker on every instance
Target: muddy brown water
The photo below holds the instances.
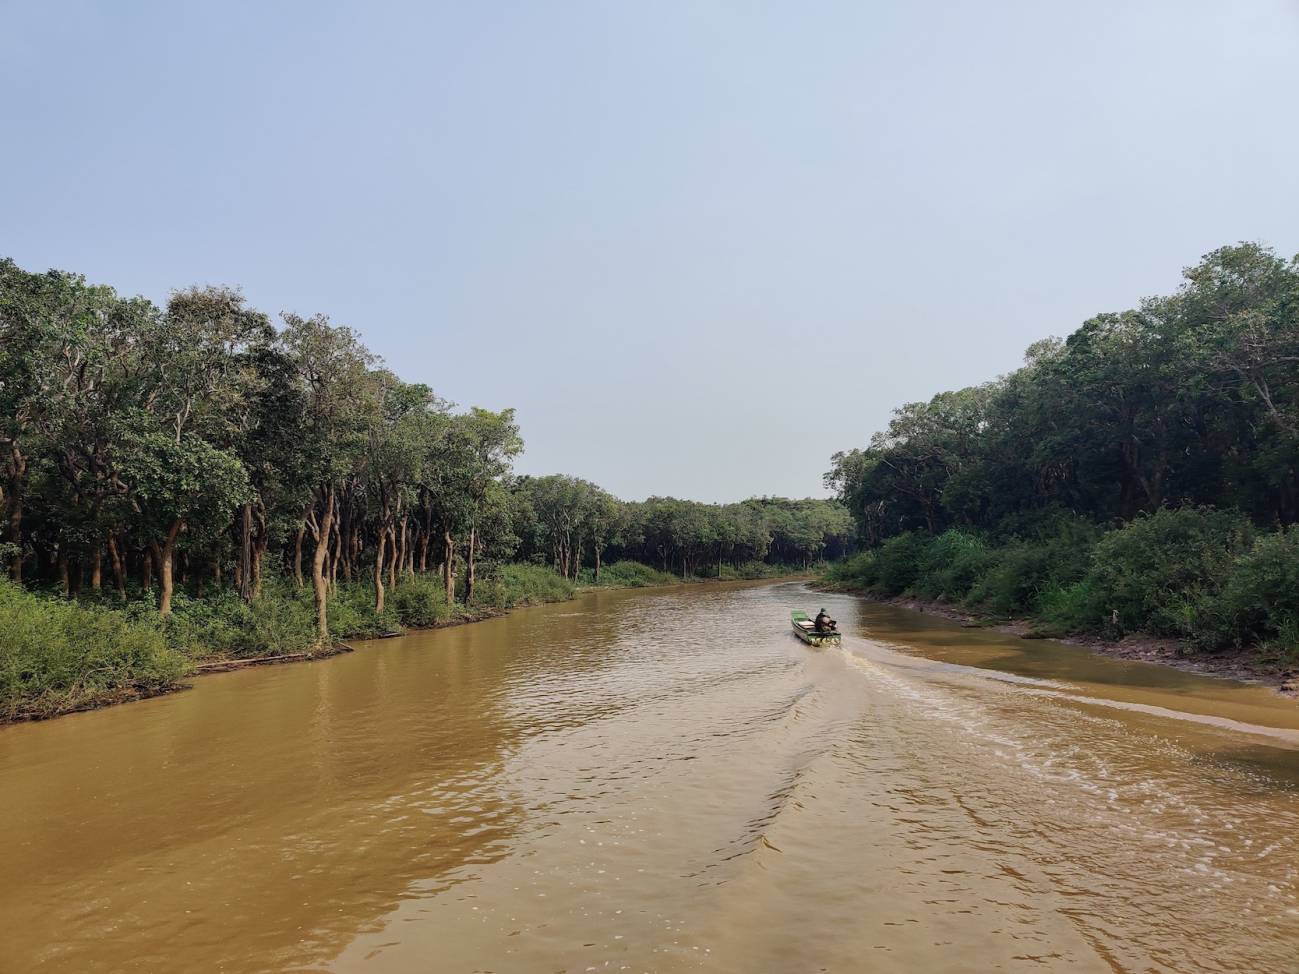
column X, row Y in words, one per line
column 663, row 780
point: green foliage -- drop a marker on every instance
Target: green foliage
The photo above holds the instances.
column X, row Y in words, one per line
column 856, row 572
column 1162, row 573
column 630, row 574
column 1017, row 575
column 1260, row 601
column 57, row 656
column 754, row 570
column 898, row 562
column 420, row 602
column 529, row 585
column 1064, row 609
column 352, row 615
column 951, row 564
column 223, row 625
column 1189, row 400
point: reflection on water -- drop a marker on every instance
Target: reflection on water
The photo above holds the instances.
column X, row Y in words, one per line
column 663, row 781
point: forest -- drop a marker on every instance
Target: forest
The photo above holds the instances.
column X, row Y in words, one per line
column 1137, row 476
column 193, row 481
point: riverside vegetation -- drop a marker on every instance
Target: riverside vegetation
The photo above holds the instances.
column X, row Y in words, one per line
column 189, row 482
column 1138, row 476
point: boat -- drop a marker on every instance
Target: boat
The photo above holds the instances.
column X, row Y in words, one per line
column 805, row 629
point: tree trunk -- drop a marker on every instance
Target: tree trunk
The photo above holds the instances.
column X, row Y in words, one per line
column 297, row 555
column 166, row 555
column 449, row 570
column 246, row 552
column 64, row 584
column 379, row 546
column 345, row 533
column 597, row 564
column 119, row 568
column 469, row 578
column 15, row 534
column 319, row 584
column 335, row 552
column 259, row 551
column 97, row 567
column 14, row 503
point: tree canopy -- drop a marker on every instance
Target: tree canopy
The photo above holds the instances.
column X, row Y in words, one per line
column 198, row 445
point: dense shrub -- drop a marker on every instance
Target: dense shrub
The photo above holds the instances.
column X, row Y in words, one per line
column 1163, row 572
column 753, row 570
column 279, row 626
column 1066, row 608
column 56, row 655
column 1260, row 601
column 420, row 602
column 629, row 574
column 898, row 562
column 854, row 572
column 528, row 585
column 950, row 565
column 1048, row 559
column 352, row 615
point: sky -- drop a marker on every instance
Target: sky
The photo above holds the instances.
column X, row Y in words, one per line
column 699, row 246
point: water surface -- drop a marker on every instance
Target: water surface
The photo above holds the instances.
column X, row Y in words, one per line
column 664, row 780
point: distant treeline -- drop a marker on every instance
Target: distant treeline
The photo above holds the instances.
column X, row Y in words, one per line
column 1140, row 474
column 566, row 523
column 197, row 447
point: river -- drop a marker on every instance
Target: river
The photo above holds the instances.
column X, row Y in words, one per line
column 663, row 780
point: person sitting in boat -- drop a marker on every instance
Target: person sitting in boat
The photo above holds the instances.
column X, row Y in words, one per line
column 823, row 622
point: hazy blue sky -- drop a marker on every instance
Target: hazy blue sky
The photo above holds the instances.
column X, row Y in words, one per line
column 699, row 246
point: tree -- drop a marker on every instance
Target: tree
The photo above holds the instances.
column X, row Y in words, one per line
column 333, row 373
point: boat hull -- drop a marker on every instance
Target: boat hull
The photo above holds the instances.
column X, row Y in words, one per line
column 805, row 631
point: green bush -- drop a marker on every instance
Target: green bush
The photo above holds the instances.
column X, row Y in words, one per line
column 1163, row 572
column 855, row 572
column 279, row 622
column 630, row 574
column 56, row 655
column 279, row 626
column 420, row 602
column 950, row 565
column 352, row 615
column 1017, row 576
column 753, row 570
column 1260, row 601
column 1014, row 578
column 219, row 625
column 898, row 563
column 1075, row 607
column 529, row 585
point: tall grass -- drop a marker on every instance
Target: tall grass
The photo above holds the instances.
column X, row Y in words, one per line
column 629, row 574
column 57, row 656
column 527, row 585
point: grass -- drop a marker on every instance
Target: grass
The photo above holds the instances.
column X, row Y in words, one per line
column 57, row 656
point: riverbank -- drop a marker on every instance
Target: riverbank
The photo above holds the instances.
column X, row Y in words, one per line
column 1237, row 663
column 59, row 657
